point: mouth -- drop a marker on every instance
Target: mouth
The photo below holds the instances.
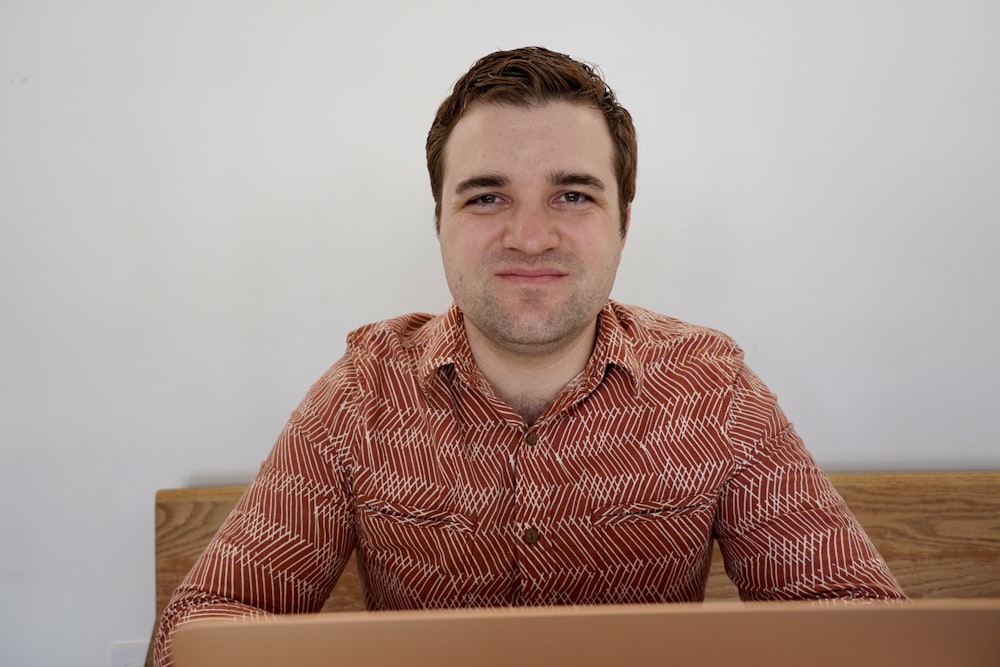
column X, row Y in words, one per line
column 533, row 276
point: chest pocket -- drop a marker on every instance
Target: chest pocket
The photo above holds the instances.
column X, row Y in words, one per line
column 697, row 509
column 378, row 511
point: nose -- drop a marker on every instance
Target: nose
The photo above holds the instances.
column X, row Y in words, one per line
column 531, row 229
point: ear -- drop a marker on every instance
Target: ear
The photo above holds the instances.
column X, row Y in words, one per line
column 625, row 223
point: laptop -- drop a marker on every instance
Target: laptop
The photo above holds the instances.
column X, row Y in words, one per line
column 939, row 633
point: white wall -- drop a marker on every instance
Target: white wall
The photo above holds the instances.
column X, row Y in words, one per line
column 199, row 199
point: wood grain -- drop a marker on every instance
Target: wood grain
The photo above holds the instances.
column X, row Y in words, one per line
column 939, row 532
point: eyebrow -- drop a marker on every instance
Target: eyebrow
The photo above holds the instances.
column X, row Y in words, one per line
column 484, row 181
column 560, row 178
column 564, row 178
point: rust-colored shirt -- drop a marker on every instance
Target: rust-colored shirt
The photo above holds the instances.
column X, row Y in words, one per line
column 402, row 450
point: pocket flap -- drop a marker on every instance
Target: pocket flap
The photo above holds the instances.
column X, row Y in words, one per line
column 653, row 508
column 419, row 515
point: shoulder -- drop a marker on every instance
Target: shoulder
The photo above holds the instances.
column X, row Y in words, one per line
column 396, row 333
column 655, row 334
column 386, row 342
column 377, row 353
column 404, row 349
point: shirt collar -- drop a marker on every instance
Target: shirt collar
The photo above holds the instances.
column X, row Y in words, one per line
column 615, row 345
column 445, row 344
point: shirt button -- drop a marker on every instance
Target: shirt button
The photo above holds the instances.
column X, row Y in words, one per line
column 531, row 535
column 532, row 438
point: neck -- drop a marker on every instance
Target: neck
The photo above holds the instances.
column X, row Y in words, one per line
column 529, row 379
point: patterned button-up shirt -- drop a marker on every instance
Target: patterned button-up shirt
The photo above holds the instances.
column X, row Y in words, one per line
column 403, row 451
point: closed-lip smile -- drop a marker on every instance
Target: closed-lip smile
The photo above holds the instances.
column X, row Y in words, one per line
column 530, row 274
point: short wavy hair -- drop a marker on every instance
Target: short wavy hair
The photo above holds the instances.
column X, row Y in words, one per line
column 532, row 76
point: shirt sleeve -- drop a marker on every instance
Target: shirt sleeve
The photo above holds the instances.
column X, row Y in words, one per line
column 784, row 531
column 288, row 538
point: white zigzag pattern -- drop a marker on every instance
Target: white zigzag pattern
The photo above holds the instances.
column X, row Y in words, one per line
column 402, row 451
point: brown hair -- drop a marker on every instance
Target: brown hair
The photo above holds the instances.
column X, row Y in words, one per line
column 526, row 77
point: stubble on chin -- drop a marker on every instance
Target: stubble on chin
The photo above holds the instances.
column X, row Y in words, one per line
column 530, row 322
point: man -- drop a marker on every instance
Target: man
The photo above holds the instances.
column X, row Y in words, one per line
column 537, row 443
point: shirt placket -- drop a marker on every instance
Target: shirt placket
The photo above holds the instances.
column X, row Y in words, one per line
column 531, row 521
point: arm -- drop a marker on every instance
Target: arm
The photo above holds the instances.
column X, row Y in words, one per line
column 289, row 537
column 784, row 531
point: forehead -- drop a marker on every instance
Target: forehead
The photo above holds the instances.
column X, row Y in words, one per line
column 555, row 135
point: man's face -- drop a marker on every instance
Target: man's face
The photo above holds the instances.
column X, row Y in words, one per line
column 529, row 230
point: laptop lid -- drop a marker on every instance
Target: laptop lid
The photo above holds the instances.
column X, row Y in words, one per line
column 955, row 633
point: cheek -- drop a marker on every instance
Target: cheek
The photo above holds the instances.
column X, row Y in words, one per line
column 600, row 246
column 458, row 257
column 466, row 244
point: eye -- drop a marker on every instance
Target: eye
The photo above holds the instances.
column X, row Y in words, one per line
column 573, row 197
column 487, row 201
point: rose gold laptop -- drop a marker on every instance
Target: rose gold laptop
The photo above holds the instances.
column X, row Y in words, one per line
column 939, row 633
